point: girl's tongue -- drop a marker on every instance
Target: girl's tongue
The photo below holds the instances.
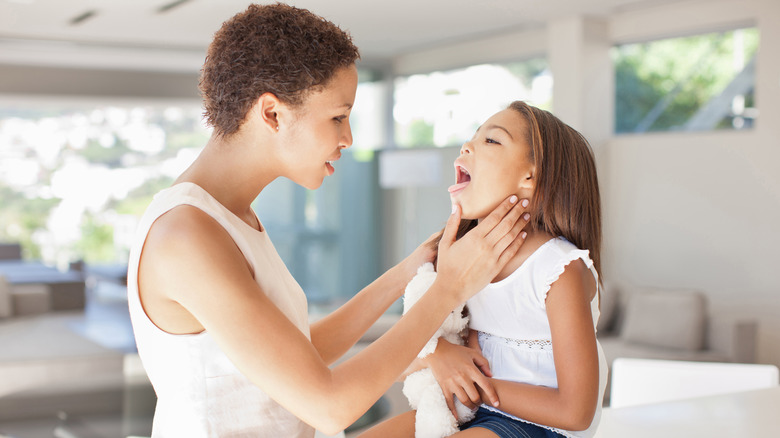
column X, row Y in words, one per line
column 459, row 186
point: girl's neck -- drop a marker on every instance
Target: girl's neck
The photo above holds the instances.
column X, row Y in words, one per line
column 533, row 241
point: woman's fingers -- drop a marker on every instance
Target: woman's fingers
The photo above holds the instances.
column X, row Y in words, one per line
column 467, row 265
column 507, row 229
column 451, row 228
column 509, row 243
column 499, row 215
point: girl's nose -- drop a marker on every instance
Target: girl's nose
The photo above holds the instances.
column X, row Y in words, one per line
column 466, row 148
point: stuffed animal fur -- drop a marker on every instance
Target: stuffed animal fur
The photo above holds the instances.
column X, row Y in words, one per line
column 434, row 419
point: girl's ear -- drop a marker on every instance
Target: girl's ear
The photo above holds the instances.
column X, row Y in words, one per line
column 528, row 180
column 267, row 109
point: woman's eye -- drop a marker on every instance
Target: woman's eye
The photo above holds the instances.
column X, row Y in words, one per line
column 339, row 119
column 490, row 140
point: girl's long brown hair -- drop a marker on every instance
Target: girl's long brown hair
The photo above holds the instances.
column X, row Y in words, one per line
column 566, row 200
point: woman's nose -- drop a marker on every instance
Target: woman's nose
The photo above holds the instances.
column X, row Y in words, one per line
column 466, row 148
column 346, row 138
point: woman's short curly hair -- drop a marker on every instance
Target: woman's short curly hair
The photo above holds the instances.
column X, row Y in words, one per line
column 275, row 48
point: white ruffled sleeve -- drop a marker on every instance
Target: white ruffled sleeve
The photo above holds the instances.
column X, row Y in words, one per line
column 559, row 258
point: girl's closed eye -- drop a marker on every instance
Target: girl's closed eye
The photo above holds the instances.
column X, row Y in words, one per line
column 340, row 119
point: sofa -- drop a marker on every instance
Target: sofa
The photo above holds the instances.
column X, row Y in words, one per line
column 31, row 288
column 671, row 324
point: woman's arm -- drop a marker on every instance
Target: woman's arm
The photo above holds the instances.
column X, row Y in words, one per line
column 190, row 261
column 336, row 333
column 572, row 405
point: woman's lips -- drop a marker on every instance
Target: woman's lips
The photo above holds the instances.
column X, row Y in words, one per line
column 329, row 163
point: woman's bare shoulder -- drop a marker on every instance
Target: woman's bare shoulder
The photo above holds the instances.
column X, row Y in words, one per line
column 185, row 257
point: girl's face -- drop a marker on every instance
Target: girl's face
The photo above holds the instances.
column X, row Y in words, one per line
column 320, row 130
column 493, row 165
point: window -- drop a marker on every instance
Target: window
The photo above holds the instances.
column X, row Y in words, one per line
column 328, row 237
column 367, row 117
column 696, row 83
column 77, row 177
column 445, row 108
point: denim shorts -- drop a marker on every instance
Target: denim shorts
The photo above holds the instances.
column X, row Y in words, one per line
column 506, row 427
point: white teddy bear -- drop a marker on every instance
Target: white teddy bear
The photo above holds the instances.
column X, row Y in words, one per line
column 434, row 419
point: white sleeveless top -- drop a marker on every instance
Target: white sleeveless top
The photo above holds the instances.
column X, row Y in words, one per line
column 200, row 392
column 514, row 332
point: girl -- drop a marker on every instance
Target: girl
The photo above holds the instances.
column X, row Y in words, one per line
column 221, row 325
column 535, row 323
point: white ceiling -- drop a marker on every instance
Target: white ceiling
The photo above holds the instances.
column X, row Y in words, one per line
column 128, row 33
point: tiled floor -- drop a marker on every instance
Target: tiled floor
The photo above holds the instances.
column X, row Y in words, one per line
column 106, row 318
column 105, row 323
column 102, row 330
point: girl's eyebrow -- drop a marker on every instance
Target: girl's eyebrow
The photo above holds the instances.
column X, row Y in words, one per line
column 497, row 127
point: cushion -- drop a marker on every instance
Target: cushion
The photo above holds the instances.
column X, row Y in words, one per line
column 30, row 299
column 665, row 318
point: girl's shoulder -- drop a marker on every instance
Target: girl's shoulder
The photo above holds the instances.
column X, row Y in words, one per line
column 557, row 253
column 549, row 261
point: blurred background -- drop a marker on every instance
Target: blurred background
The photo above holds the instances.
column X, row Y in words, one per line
column 680, row 99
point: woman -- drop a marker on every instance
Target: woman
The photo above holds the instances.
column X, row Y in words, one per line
column 221, row 325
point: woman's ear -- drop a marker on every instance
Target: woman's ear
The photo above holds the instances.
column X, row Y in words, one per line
column 267, row 110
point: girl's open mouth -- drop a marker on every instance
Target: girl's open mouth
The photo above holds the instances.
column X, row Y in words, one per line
column 463, row 179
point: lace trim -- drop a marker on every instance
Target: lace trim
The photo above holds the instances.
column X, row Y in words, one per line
column 529, row 344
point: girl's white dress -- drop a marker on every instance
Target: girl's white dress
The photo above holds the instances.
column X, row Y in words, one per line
column 514, row 332
column 200, row 392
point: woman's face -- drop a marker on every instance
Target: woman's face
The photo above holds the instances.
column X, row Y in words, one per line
column 320, row 130
column 493, row 165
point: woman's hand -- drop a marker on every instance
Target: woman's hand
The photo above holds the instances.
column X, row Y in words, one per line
column 467, row 265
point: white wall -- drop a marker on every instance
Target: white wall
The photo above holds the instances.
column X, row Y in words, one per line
column 701, row 210
column 694, row 210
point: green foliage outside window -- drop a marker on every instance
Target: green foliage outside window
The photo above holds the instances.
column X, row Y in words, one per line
column 86, row 174
column 21, row 216
column 664, row 85
column 444, row 108
column 97, row 241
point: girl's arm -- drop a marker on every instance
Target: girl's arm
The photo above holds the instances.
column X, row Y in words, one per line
column 336, row 333
column 572, row 405
column 191, row 265
column 459, row 370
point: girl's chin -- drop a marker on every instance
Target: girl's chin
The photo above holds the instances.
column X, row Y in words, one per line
column 477, row 212
column 470, row 214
